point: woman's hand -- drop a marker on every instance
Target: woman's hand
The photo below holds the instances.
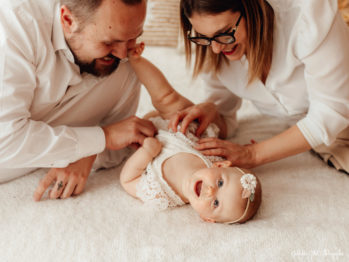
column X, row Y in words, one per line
column 204, row 114
column 238, row 155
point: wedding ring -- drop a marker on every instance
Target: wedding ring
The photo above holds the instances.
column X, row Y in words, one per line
column 60, row 185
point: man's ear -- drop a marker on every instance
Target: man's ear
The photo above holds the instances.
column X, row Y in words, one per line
column 209, row 220
column 225, row 163
column 68, row 21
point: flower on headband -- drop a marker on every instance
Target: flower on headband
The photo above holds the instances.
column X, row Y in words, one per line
column 249, row 183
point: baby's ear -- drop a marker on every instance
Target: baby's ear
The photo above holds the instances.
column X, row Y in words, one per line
column 209, row 220
column 225, row 163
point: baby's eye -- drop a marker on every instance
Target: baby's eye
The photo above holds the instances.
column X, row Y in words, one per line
column 216, row 203
column 220, row 183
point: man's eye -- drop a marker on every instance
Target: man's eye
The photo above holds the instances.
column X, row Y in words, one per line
column 216, row 203
column 220, row 183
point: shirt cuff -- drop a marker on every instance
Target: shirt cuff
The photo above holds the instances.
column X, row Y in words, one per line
column 90, row 141
column 307, row 129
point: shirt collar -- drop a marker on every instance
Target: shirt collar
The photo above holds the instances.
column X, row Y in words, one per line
column 58, row 39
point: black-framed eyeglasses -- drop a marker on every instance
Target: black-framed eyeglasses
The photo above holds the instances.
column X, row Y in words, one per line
column 223, row 38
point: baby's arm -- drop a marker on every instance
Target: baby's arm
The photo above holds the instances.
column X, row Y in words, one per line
column 164, row 98
column 137, row 163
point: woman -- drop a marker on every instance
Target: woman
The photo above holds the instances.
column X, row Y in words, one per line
column 289, row 57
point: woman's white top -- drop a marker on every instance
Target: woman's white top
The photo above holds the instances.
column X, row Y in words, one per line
column 308, row 83
column 152, row 188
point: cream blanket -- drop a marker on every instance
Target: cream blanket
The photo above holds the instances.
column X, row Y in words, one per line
column 304, row 214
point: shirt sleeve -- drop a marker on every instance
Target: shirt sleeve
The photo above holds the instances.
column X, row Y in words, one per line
column 227, row 103
column 24, row 142
column 323, row 48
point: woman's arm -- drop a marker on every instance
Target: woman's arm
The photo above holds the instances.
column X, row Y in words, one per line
column 136, row 164
column 164, row 98
column 287, row 143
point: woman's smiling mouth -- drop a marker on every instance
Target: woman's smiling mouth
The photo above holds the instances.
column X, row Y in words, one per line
column 231, row 51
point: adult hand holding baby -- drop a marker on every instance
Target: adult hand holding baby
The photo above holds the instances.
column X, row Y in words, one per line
column 132, row 130
column 238, row 155
column 204, row 113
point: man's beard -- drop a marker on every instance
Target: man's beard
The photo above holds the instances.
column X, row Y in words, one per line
column 101, row 71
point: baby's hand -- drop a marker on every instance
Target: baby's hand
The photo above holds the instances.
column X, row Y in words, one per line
column 152, row 146
column 136, row 52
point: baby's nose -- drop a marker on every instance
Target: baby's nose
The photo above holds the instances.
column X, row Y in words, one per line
column 210, row 191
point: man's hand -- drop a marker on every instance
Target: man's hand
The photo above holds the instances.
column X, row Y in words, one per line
column 67, row 181
column 132, row 130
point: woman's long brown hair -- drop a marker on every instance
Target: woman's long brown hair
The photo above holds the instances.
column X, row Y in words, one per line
column 259, row 17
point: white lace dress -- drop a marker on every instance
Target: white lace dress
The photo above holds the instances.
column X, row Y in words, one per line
column 152, row 188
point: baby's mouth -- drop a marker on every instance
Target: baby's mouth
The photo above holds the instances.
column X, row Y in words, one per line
column 198, row 186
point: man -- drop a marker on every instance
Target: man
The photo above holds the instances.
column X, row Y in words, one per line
column 65, row 94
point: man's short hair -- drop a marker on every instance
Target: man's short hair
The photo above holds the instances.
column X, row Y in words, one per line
column 83, row 10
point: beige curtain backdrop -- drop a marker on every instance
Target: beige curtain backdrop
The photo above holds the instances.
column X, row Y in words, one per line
column 162, row 24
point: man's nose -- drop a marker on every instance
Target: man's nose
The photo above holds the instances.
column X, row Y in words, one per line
column 120, row 50
column 216, row 47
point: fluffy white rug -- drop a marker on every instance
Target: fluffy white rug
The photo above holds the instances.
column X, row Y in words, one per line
column 304, row 214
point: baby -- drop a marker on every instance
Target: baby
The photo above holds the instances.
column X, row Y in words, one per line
column 167, row 171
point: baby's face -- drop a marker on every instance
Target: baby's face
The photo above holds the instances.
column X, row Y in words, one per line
column 215, row 193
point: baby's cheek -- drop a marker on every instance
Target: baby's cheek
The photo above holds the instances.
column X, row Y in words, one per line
column 202, row 207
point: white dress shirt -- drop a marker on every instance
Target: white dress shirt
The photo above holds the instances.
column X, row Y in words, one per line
column 308, row 83
column 50, row 114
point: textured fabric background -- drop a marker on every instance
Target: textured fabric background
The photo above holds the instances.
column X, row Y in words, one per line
column 162, row 24
column 303, row 217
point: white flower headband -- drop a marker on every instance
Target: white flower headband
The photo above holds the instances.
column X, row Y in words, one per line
column 249, row 184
